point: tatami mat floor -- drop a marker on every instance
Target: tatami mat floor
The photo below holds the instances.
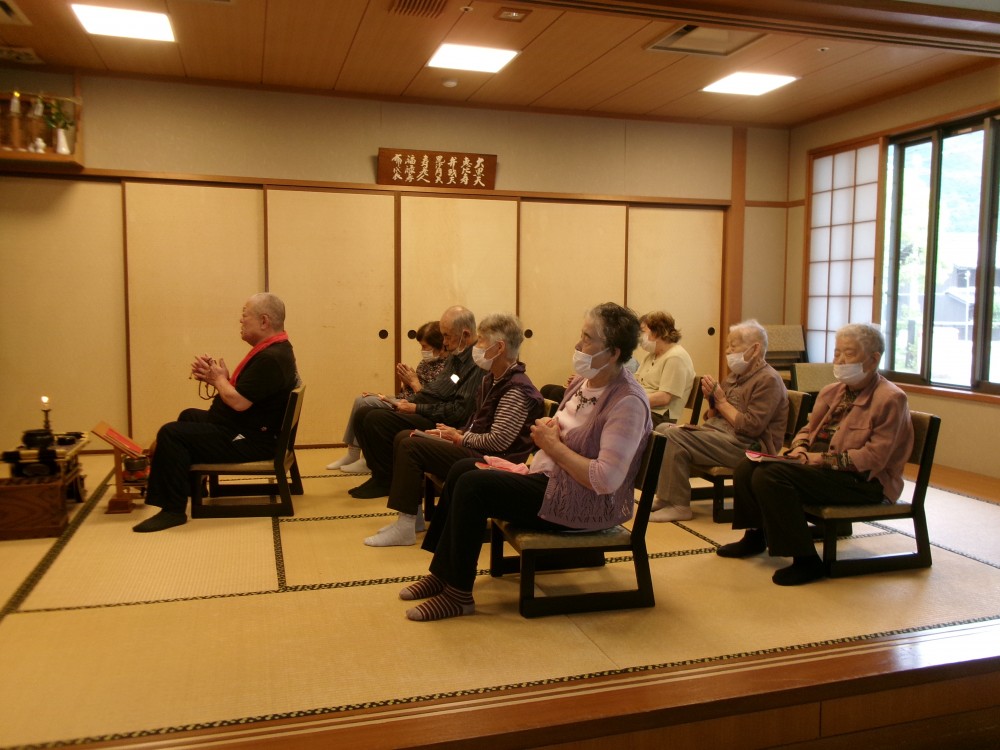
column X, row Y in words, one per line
column 110, row 634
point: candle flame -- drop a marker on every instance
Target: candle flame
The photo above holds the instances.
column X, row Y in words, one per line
column 45, row 400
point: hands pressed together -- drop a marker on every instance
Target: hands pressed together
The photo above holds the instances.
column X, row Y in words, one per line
column 207, row 370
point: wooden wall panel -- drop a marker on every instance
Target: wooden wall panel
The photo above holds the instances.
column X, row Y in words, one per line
column 195, row 254
column 456, row 251
column 764, row 264
column 61, row 284
column 572, row 258
column 675, row 265
column 330, row 258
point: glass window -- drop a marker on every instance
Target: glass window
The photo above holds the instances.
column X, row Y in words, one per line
column 940, row 267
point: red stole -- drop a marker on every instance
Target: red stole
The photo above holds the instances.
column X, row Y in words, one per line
column 254, row 352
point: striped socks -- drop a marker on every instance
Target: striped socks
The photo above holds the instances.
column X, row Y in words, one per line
column 451, row 602
column 428, row 586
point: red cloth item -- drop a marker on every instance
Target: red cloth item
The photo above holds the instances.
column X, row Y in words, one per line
column 255, row 351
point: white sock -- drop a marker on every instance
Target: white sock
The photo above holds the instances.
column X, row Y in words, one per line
column 399, row 534
column 420, row 525
column 357, row 467
column 352, row 455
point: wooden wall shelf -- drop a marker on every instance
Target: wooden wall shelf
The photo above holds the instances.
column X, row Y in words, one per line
column 28, row 129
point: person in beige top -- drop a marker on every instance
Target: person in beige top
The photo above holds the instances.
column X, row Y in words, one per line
column 667, row 373
column 747, row 411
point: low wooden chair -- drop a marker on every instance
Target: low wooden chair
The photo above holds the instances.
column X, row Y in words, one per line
column 799, row 406
column 536, row 549
column 283, row 465
column 830, row 517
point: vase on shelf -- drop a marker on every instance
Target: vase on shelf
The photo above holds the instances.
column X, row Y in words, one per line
column 62, row 142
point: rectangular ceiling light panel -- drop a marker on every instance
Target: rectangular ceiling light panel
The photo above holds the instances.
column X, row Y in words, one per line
column 133, row 24
column 466, row 57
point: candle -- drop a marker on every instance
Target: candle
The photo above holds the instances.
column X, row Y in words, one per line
column 39, row 109
column 45, row 403
column 15, row 104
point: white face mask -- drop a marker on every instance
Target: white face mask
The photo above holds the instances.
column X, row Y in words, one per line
column 582, row 363
column 850, row 374
column 646, row 343
column 426, row 354
column 479, row 357
column 737, row 365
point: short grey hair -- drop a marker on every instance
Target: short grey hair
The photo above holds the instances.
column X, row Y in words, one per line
column 868, row 335
column 270, row 305
column 750, row 332
column 503, row 327
column 462, row 318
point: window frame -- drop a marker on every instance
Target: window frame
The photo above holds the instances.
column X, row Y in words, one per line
column 987, row 275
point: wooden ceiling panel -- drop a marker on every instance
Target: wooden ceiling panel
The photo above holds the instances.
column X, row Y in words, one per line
column 625, row 65
column 690, row 73
column 481, row 26
column 576, row 55
column 139, row 56
column 572, row 42
column 306, row 44
column 389, row 50
column 221, row 41
column 478, row 27
column 872, row 74
column 55, row 35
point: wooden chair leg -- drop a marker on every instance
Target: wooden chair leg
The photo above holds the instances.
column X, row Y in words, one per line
column 719, row 512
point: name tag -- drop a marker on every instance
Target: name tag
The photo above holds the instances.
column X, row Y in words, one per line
column 454, row 378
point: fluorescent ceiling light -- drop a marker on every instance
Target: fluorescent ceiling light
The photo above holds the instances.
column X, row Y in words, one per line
column 466, row 57
column 750, row 84
column 134, row 24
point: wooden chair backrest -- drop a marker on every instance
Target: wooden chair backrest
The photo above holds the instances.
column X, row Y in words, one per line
column 925, row 434
column 811, row 377
column 799, row 405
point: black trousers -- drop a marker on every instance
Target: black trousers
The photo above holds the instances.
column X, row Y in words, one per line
column 375, row 430
column 771, row 495
column 411, row 457
column 470, row 497
column 193, row 439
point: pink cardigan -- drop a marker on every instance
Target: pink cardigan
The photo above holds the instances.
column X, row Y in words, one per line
column 876, row 434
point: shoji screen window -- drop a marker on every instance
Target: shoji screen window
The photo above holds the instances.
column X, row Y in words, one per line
column 842, row 222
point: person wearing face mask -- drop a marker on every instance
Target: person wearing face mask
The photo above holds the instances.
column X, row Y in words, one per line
column 448, row 399
column 507, row 404
column 667, row 372
column 432, row 359
column 851, row 452
column 581, row 477
column 747, row 411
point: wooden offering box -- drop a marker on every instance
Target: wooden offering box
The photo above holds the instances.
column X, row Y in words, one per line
column 32, row 507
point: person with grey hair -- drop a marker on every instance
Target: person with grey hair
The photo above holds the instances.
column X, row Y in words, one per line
column 448, row 399
column 851, row 452
column 582, row 476
column 243, row 421
column 748, row 410
column 507, row 405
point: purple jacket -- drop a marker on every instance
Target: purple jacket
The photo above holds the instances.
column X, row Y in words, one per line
column 615, row 440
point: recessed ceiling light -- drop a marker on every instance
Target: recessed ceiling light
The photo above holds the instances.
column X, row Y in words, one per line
column 749, row 84
column 467, row 57
column 133, row 24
